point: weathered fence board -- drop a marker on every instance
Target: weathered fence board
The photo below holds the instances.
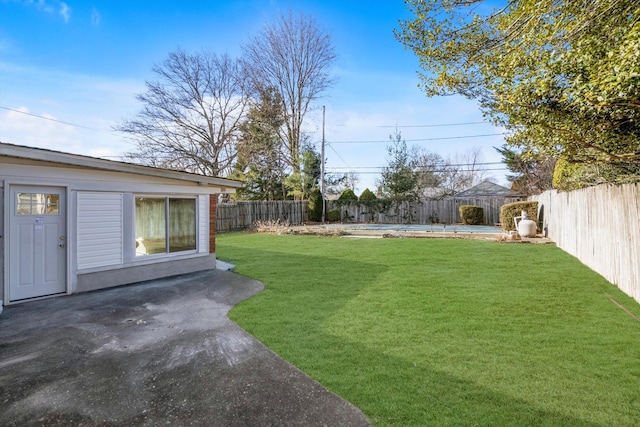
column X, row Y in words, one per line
column 242, row 215
column 431, row 211
column 601, row 227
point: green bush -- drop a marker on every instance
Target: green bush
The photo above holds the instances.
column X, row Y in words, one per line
column 569, row 176
column 512, row 210
column 333, row 215
column 367, row 196
column 471, row 215
column 348, row 195
column 315, row 205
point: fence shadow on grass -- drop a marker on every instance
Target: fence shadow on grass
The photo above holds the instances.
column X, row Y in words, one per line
column 417, row 394
column 295, row 317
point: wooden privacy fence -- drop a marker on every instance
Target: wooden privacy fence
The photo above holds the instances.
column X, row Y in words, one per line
column 242, row 215
column 427, row 212
column 601, row 227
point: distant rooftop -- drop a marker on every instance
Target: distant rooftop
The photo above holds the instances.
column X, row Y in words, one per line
column 488, row 189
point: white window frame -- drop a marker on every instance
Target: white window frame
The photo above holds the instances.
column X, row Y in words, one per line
column 166, row 198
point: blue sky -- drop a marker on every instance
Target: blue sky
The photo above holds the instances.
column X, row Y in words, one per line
column 82, row 63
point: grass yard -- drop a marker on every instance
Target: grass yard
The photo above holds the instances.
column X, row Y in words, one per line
column 446, row 332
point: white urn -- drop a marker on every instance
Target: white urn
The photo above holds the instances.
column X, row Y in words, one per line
column 526, row 226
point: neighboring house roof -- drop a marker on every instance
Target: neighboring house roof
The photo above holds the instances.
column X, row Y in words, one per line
column 488, row 189
column 45, row 155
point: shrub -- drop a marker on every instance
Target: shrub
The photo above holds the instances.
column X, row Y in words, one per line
column 471, row 215
column 272, row 226
column 568, row 176
column 333, row 215
column 348, row 195
column 367, row 196
column 512, row 210
column 315, row 205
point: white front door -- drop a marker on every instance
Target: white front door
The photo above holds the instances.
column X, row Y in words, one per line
column 38, row 241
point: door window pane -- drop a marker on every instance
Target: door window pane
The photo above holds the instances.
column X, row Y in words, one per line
column 37, row 204
column 23, row 203
column 182, row 225
column 52, row 204
column 150, row 226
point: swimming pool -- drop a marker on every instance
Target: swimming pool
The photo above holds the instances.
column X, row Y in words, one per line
column 414, row 228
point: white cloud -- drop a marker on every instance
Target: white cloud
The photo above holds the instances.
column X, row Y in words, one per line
column 21, row 127
column 53, row 6
column 96, row 18
column 18, row 126
column 42, row 4
column 65, row 11
column 93, row 103
column 371, row 119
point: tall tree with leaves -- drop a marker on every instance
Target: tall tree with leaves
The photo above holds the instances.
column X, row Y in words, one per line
column 261, row 161
column 562, row 76
column 399, row 180
column 191, row 114
column 294, row 56
column 529, row 175
column 302, row 183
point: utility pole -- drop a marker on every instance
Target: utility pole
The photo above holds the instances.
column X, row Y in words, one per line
column 322, row 169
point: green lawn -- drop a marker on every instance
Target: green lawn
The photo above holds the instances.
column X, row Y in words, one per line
column 446, row 332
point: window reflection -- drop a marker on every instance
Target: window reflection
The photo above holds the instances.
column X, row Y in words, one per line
column 165, row 225
column 150, row 226
column 37, row 204
column 182, row 225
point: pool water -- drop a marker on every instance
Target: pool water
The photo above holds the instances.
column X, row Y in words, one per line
column 426, row 228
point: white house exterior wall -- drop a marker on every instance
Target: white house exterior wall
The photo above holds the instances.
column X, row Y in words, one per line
column 100, row 229
column 203, row 224
column 100, row 223
column 2, row 241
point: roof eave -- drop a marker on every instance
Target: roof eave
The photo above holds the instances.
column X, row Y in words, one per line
column 29, row 153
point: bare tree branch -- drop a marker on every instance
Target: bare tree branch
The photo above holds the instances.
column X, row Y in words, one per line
column 191, row 114
column 293, row 56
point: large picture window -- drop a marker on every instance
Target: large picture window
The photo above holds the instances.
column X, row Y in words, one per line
column 165, row 225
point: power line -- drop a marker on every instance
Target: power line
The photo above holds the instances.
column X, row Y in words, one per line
column 48, row 118
column 434, row 171
column 421, row 139
column 420, row 126
column 434, row 125
column 449, row 164
column 339, row 156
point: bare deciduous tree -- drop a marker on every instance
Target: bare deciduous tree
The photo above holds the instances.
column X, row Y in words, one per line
column 293, row 56
column 462, row 171
column 191, row 115
column 438, row 177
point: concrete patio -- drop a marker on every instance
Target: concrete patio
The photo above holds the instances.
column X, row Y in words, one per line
column 160, row 352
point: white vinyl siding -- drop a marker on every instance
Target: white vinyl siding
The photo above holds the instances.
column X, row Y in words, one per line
column 100, row 229
column 203, row 223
